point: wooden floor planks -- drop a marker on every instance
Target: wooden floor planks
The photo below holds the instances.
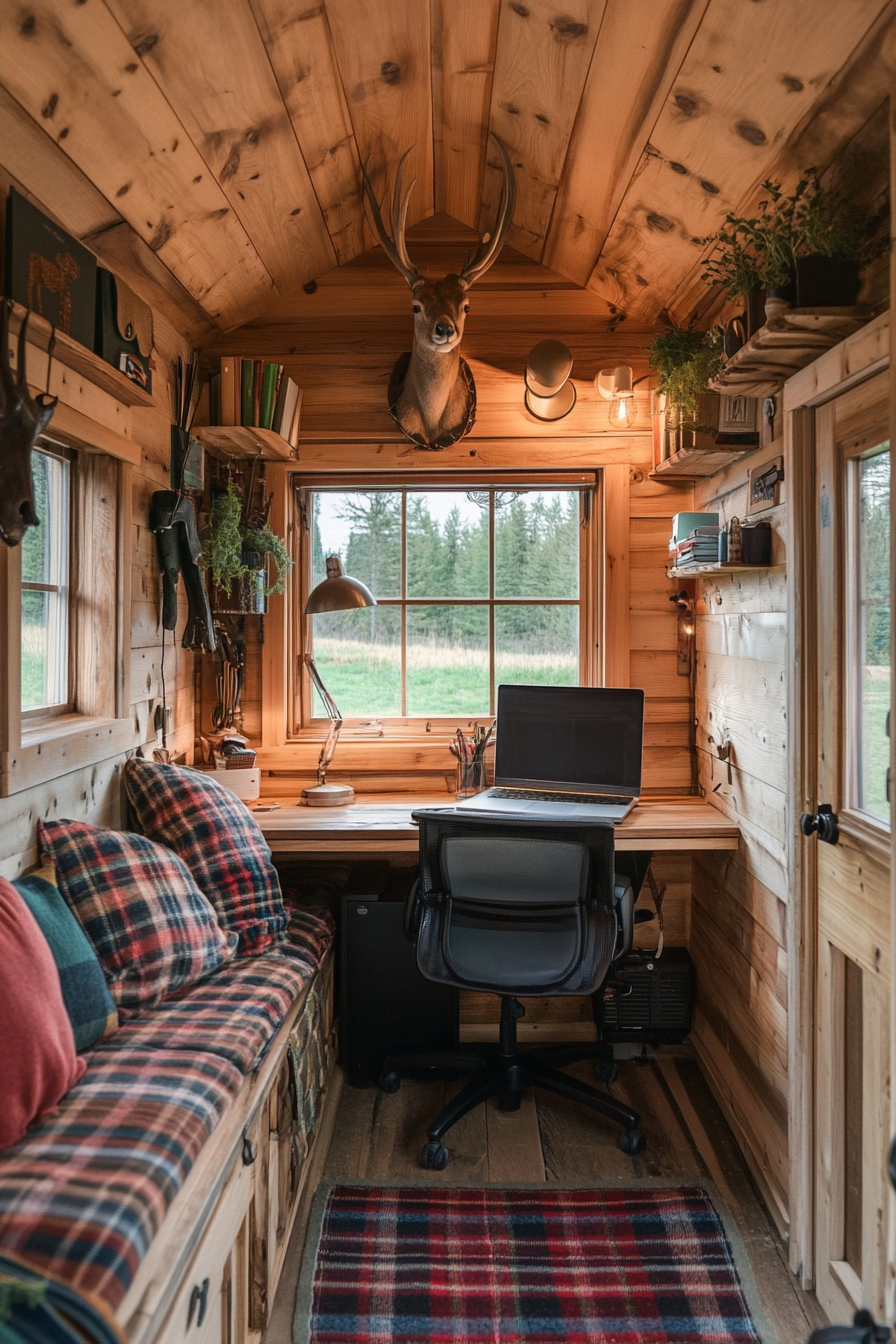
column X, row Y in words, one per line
column 378, row 1137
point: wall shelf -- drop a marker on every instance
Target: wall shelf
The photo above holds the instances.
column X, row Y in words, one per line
column 726, row 567
column 785, row 345
column 692, row 463
column 79, row 359
column 244, row 441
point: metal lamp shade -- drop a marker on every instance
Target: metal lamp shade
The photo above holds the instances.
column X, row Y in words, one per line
column 338, row 592
column 549, row 394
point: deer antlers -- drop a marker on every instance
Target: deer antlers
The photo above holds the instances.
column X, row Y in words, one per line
column 22, row 420
column 395, row 248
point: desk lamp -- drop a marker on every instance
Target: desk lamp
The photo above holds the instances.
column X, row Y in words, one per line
column 337, row 592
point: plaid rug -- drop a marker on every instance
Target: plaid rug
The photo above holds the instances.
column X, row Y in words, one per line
column 418, row 1265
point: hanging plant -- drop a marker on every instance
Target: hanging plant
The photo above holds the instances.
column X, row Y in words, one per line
column 686, row 360
column 226, row 541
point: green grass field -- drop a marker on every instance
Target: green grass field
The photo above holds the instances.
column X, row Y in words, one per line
column 365, row 679
column 876, row 702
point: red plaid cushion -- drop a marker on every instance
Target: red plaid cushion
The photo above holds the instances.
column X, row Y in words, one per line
column 218, row 839
column 150, row 925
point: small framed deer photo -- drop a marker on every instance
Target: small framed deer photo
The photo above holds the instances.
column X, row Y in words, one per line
column 765, row 485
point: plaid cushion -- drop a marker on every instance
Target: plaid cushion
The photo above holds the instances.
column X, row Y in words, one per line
column 84, row 1194
column 85, row 994
column 235, row 1014
column 308, row 935
column 218, row 839
column 150, row 925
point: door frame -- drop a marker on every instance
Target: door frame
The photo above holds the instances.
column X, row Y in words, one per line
column 855, row 360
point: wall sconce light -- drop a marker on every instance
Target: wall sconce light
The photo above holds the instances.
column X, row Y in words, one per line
column 549, row 393
column 615, row 386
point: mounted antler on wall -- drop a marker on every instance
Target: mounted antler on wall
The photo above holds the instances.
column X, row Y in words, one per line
column 432, row 395
column 22, row 420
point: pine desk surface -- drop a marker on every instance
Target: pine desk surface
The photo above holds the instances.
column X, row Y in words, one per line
column 381, row 823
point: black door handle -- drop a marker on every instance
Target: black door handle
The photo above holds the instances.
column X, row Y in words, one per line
column 824, row 823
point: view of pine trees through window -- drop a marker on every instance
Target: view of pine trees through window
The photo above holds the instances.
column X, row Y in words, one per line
column 471, row 621
column 873, row 612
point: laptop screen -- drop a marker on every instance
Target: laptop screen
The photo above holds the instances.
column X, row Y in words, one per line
column 570, row 737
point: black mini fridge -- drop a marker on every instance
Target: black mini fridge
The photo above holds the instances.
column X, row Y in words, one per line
column 386, row 1006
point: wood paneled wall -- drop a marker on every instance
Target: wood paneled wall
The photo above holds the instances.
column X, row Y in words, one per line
column 94, row 793
column 738, row 938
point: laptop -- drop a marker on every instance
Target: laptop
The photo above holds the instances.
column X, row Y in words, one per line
column 565, row 752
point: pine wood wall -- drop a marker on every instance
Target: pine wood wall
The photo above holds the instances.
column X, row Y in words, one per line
column 93, row 793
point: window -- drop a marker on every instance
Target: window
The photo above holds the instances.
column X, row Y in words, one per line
column 476, row 584
column 45, row 590
column 868, row 670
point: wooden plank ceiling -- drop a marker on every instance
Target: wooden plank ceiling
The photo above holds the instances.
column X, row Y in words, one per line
column 211, row 149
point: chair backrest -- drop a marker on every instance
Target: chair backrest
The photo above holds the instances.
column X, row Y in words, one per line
column 513, row 906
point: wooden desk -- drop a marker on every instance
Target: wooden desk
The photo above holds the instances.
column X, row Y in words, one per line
column 380, row 823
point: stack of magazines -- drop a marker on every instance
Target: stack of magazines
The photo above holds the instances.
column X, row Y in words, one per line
column 701, row 547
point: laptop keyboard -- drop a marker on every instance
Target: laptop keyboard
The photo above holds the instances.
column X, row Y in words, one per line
column 531, row 796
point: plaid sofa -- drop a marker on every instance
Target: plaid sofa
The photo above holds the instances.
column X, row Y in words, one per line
column 84, row 1193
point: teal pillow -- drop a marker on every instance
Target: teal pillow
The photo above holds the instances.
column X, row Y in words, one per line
column 84, row 990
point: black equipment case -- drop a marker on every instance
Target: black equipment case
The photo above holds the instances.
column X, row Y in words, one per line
column 647, row 999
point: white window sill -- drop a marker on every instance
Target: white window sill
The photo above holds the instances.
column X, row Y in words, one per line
column 54, row 747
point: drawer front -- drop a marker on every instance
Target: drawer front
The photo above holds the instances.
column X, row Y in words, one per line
column 203, row 1308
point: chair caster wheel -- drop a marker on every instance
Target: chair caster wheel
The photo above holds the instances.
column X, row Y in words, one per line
column 389, row 1081
column 607, row 1070
column 632, row 1141
column 434, row 1156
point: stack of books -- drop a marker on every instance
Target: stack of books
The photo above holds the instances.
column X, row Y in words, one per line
column 255, row 392
column 700, row 547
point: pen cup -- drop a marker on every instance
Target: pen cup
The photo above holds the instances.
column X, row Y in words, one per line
column 470, row 778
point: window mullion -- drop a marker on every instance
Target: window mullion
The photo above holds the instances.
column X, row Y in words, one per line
column 491, row 604
column 404, row 610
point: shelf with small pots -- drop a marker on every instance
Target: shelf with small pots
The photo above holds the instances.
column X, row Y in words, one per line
column 786, row 344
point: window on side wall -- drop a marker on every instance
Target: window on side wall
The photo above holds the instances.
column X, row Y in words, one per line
column 869, row 662
column 477, row 584
column 46, row 680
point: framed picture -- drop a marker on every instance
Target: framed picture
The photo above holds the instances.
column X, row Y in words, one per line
column 765, row 485
column 738, row 415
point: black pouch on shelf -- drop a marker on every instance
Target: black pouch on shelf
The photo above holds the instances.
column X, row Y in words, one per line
column 123, row 329
column 756, row 543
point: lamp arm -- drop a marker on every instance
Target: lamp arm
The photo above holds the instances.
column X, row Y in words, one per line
column 329, row 748
column 329, row 702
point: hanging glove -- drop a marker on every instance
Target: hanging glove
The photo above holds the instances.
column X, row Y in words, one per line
column 172, row 517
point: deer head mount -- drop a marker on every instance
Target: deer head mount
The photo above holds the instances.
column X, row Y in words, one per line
column 22, row 420
column 432, row 396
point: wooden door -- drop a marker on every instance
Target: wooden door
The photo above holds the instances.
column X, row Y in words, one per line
column 851, row 859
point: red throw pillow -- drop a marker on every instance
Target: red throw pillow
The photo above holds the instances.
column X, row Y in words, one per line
column 220, row 842
column 38, row 1064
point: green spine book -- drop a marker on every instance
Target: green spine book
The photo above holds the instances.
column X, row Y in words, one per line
column 268, row 393
column 247, row 384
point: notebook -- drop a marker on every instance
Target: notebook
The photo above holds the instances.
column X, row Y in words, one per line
column 566, row 752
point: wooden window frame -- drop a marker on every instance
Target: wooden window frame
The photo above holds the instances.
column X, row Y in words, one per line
column 400, row 759
column 303, row 723
column 99, row 723
column 54, row 711
column 864, row 826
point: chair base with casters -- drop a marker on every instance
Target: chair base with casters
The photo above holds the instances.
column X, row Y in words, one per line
column 505, row 1073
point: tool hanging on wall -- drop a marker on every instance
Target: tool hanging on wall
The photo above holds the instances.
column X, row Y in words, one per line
column 229, row 682
column 172, row 517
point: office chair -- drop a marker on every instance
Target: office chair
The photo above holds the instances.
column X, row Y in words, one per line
column 517, row 907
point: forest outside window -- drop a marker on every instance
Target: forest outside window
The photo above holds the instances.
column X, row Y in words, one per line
column 476, row 585
column 869, row 665
column 46, row 558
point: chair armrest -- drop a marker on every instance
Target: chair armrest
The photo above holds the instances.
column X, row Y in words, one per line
column 624, row 907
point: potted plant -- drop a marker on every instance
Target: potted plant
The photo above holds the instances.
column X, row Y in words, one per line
column 686, row 361
column 806, row 248
column 234, row 551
